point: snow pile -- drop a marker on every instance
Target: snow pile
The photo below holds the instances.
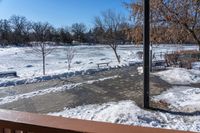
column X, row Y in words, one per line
column 127, row 112
column 5, row 82
column 9, row 99
column 196, row 65
column 180, row 76
column 140, row 70
column 182, row 98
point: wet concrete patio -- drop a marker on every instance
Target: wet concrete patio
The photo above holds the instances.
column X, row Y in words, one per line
column 127, row 86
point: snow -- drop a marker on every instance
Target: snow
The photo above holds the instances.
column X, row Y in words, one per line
column 140, row 70
column 181, row 98
column 18, row 81
column 9, row 99
column 29, row 65
column 196, row 65
column 180, row 76
column 127, row 112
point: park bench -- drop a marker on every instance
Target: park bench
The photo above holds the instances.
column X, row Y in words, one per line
column 8, row 74
column 103, row 64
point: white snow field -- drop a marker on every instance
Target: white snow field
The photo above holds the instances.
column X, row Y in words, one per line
column 29, row 65
column 127, row 112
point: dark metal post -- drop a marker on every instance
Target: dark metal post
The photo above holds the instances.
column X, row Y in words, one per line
column 146, row 52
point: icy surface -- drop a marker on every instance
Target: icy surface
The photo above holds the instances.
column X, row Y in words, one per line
column 127, row 112
column 180, row 76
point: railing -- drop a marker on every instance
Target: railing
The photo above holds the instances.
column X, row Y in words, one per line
column 20, row 122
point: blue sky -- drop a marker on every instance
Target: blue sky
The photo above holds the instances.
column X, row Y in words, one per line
column 59, row 12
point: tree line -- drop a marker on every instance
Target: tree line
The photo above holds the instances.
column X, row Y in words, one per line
column 17, row 30
column 172, row 21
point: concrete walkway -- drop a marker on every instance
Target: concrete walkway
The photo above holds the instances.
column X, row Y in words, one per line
column 128, row 86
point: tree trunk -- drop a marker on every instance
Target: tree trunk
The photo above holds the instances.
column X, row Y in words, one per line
column 117, row 56
column 69, row 66
column 43, row 59
column 198, row 41
column 194, row 35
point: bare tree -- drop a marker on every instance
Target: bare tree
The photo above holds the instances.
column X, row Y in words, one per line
column 170, row 17
column 65, row 36
column 5, row 32
column 41, row 32
column 20, row 27
column 78, row 30
column 110, row 23
column 70, row 52
column 43, row 49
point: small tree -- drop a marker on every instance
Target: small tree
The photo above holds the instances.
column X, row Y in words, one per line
column 70, row 51
column 43, row 49
column 111, row 26
column 42, row 33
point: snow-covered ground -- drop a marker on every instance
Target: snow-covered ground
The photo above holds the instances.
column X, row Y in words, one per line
column 29, row 65
column 181, row 98
column 180, row 76
column 127, row 112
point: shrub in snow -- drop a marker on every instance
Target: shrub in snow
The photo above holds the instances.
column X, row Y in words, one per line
column 70, row 53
